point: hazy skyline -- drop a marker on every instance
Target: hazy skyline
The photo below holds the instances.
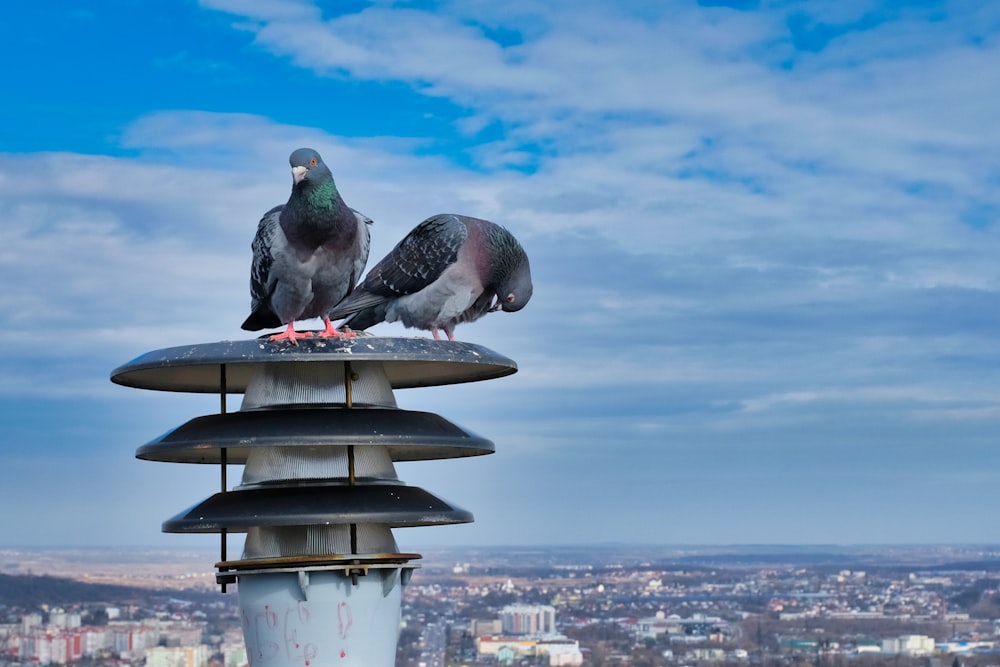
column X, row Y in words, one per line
column 763, row 238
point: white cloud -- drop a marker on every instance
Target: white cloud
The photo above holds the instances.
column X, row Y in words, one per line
column 684, row 125
column 723, row 248
column 744, row 253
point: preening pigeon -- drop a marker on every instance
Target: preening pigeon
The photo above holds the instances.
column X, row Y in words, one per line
column 307, row 253
column 448, row 269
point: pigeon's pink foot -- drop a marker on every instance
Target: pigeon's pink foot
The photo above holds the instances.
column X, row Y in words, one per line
column 291, row 335
column 330, row 331
column 437, row 336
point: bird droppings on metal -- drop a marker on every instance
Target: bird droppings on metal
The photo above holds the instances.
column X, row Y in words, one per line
column 408, row 362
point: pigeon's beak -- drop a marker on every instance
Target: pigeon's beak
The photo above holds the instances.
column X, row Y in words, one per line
column 298, row 173
column 495, row 306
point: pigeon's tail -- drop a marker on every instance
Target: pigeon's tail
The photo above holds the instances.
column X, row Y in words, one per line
column 355, row 302
column 361, row 308
column 261, row 319
column 365, row 318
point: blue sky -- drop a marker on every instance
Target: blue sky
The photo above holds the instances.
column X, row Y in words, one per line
column 763, row 237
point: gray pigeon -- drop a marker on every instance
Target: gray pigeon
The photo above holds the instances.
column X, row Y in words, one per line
column 448, row 269
column 307, row 254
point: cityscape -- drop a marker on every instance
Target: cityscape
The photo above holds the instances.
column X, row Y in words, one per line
column 586, row 606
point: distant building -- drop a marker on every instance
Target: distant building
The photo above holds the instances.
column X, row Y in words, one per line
column 793, row 615
column 495, row 646
column 30, row 621
column 520, row 619
column 561, row 652
column 62, row 619
column 95, row 640
column 963, row 647
column 129, row 641
column 177, row 656
column 234, row 655
column 697, row 627
column 911, row 645
column 868, row 646
column 707, row 654
column 660, row 624
column 487, row 628
column 56, row 648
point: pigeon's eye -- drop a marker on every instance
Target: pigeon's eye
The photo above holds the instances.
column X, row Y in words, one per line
column 312, row 162
column 510, row 298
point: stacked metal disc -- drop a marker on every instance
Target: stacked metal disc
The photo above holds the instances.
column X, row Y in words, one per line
column 318, row 433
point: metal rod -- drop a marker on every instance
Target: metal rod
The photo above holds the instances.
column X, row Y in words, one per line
column 352, row 480
column 348, row 389
column 223, row 453
column 223, row 388
column 351, row 476
column 223, row 464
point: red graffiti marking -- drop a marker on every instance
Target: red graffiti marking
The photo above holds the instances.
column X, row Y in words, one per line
column 344, row 619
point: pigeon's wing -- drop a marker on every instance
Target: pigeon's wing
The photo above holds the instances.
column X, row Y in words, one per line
column 261, row 281
column 479, row 307
column 420, row 258
column 362, row 217
column 416, row 261
column 364, row 243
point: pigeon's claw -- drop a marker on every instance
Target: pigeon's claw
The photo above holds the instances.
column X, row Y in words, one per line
column 449, row 332
column 291, row 335
column 330, row 331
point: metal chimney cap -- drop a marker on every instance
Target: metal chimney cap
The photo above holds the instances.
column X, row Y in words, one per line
column 395, row 505
column 408, row 362
column 408, row 435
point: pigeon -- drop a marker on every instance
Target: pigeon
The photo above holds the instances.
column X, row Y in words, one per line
column 307, row 254
column 449, row 269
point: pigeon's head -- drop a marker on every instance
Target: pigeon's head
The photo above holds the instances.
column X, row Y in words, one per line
column 515, row 290
column 307, row 166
